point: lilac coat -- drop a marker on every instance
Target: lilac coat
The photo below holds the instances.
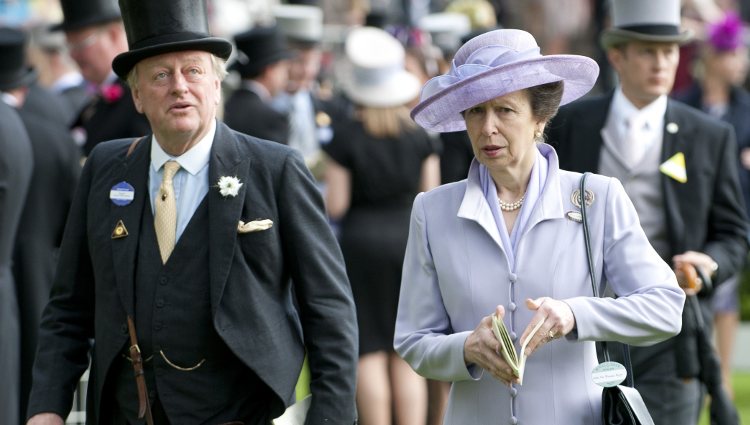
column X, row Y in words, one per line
column 456, row 272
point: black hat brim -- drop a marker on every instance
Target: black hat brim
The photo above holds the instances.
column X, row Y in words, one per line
column 124, row 62
column 23, row 78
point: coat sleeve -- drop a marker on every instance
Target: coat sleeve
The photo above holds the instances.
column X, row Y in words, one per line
column 423, row 335
column 727, row 226
column 649, row 303
column 324, row 297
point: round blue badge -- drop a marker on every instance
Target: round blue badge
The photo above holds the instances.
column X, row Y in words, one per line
column 122, row 194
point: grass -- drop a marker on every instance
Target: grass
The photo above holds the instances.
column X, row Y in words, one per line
column 741, row 385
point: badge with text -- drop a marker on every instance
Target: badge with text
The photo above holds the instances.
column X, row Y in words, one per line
column 122, row 194
column 609, row 374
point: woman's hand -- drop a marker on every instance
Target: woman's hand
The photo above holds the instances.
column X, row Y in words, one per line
column 558, row 322
column 483, row 349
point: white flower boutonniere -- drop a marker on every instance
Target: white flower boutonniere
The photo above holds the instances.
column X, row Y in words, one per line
column 229, row 186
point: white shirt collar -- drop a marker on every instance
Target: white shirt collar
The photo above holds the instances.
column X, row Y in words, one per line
column 622, row 109
column 193, row 160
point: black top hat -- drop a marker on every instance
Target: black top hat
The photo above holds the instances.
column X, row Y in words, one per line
column 155, row 27
column 259, row 47
column 13, row 70
column 84, row 13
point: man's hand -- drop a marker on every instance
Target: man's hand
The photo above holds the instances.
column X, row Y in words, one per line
column 483, row 349
column 685, row 277
column 46, row 419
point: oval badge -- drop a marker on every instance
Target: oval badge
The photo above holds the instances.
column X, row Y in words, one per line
column 609, row 374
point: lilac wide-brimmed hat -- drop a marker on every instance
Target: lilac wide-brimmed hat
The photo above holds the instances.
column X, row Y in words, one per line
column 494, row 64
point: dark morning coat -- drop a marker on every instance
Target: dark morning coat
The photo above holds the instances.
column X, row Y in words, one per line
column 16, row 166
column 53, row 182
column 247, row 113
column 104, row 119
column 251, row 277
column 737, row 115
column 705, row 214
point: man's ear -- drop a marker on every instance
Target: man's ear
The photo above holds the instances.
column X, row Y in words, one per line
column 615, row 56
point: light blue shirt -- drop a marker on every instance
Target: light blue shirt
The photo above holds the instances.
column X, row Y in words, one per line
column 190, row 182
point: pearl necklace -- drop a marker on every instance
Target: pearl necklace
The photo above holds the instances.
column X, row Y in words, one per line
column 511, row 206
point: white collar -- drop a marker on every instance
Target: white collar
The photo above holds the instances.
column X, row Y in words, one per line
column 193, row 160
column 622, row 109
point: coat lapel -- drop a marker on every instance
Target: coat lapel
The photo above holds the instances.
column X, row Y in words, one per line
column 133, row 170
column 474, row 205
column 223, row 212
column 674, row 133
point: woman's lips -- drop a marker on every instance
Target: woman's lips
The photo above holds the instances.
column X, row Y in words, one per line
column 492, row 150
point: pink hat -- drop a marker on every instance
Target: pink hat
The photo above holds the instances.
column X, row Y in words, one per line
column 494, row 64
column 726, row 34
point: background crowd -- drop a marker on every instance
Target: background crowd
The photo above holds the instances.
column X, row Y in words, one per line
column 316, row 76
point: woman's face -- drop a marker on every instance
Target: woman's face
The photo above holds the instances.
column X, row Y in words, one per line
column 502, row 131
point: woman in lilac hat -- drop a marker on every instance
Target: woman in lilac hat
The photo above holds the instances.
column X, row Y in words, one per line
column 508, row 241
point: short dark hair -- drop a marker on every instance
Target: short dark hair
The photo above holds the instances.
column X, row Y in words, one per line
column 545, row 99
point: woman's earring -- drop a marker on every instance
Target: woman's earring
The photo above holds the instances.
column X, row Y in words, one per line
column 537, row 134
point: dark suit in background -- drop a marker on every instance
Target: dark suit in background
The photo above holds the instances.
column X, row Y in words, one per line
column 16, row 166
column 56, row 171
column 705, row 214
column 110, row 115
column 247, row 113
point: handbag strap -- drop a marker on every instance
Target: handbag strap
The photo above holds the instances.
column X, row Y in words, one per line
column 594, row 285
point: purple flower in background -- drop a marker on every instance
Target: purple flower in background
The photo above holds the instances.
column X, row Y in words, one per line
column 726, row 34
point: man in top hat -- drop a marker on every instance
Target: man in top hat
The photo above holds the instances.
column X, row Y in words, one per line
column 717, row 90
column 309, row 118
column 53, row 180
column 197, row 258
column 263, row 64
column 678, row 166
column 16, row 166
column 95, row 35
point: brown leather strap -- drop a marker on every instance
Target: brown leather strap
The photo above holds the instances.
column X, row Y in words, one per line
column 132, row 146
column 144, row 408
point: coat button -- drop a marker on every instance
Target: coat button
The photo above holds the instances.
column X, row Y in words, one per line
column 163, row 280
column 512, row 306
column 157, row 326
column 160, row 303
column 513, row 277
column 513, row 392
column 513, row 336
column 124, row 328
column 513, row 420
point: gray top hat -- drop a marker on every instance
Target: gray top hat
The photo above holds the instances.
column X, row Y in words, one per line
column 300, row 24
column 645, row 20
column 157, row 27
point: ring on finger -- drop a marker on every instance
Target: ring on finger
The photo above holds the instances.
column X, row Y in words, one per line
column 552, row 334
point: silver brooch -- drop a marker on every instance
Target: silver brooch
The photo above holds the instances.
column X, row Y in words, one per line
column 575, row 198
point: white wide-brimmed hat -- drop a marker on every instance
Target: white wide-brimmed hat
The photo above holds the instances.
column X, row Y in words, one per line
column 376, row 75
column 494, row 64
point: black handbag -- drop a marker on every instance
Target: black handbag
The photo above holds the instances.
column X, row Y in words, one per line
column 621, row 404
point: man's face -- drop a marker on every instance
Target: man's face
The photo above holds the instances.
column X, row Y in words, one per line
column 93, row 49
column 303, row 69
column 646, row 69
column 179, row 93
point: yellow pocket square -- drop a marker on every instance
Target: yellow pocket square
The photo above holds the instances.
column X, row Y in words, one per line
column 674, row 167
column 254, row 226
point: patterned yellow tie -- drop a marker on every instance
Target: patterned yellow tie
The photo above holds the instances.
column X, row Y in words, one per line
column 165, row 218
